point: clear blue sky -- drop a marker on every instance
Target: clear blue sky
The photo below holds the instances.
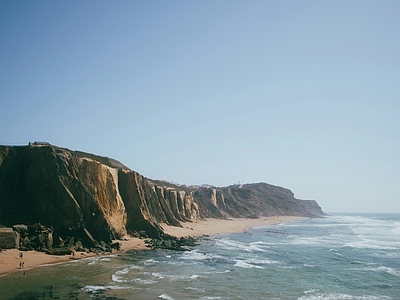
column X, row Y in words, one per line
column 300, row 94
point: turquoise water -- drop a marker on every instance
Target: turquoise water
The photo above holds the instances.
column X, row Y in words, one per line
column 337, row 257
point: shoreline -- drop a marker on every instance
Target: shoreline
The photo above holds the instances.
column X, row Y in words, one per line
column 199, row 228
column 10, row 258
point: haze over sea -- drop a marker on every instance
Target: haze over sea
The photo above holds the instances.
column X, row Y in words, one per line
column 337, row 257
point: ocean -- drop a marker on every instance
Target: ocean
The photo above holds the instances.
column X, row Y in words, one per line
column 353, row 256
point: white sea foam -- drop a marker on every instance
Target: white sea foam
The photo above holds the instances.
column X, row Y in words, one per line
column 195, row 255
column 97, row 288
column 165, row 296
column 92, row 262
column 194, row 276
column 176, row 277
column 168, row 276
column 246, row 265
column 219, row 272
column 135, row 267
column 158, row 275
column 310, row 291
column 122, row 276
column 150, row 262
column 234, row 245
column 195, row 289
column 313, row 240
column 368, row 243
column 261, row 261
column 117, row 278
column 288, row 267
column 127, row 270
column 262, row 243
column 123, row 271
column 376, row 232
column 107, row 258
column 336, row 296
column 353, row 231
column 386, row 270
column 396, row 229
column 144, row 281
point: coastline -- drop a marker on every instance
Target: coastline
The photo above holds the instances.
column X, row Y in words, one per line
column 10, row 259
column 221, row 226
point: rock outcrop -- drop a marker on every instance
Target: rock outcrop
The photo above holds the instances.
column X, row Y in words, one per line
column 94, row 198
column 8, row 238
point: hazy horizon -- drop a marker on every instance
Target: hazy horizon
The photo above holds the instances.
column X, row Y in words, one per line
column 299, row 94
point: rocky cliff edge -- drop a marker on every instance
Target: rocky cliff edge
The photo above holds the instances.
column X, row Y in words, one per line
column 93, row 198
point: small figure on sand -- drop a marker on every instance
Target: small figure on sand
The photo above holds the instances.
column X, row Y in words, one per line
column 21, row 255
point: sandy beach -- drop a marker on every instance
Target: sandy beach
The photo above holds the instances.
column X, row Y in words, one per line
column 218, row 226
column 10, row 259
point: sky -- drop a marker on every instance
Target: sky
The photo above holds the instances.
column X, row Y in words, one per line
column 300, row 94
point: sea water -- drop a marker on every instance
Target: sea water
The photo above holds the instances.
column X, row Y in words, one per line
column 335, row 257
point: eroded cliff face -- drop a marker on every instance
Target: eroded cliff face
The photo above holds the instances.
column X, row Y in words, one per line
column 98, row 199
column 75, row 195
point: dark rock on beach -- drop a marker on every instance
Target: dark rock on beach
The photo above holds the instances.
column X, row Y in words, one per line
column 172, row 243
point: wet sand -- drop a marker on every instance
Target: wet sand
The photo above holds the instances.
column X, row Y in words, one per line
column 10, row 259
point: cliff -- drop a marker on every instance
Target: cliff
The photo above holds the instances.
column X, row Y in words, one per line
column 94, row 198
